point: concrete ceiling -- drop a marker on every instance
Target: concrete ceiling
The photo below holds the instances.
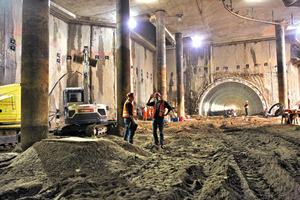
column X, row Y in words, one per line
column 206, row 18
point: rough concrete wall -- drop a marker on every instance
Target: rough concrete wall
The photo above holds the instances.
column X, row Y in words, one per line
column 262, row 71
column 10, row 29
column 255, row 62
column 58, row 37
column 171, row 77
column 142, row 73
column 78, row 37
column 103, row 75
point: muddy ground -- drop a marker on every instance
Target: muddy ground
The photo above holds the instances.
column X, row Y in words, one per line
column 204, row 158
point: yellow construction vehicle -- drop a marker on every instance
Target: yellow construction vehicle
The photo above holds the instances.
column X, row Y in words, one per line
column 10, row 114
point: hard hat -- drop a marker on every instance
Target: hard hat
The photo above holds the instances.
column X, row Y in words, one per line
column 130, row 94
column 157, row 94
column 246, row 101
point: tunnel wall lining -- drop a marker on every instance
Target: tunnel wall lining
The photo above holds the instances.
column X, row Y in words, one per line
column 236, row 80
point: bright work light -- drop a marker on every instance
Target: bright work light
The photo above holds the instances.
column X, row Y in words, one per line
column 132, row 23
column 197, row 41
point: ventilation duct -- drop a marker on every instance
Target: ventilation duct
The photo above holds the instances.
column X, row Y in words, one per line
column 288, row 3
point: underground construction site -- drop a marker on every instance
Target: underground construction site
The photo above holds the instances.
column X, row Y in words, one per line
column 150, row 99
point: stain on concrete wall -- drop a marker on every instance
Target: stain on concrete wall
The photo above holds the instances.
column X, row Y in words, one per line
column 142, row 73
column 103, row 76
column 10, row 41
column 78, row 37
column 58, row 37
column 171, row 77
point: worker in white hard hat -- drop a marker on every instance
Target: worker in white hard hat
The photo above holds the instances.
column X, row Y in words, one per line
column 246, row 106
column 158, row 120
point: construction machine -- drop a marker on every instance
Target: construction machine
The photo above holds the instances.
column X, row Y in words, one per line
column 10, row 114
column 81, row 117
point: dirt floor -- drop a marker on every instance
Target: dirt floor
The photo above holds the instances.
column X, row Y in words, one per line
column 203, row 158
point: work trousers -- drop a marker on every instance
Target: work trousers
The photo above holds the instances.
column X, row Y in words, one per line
column 128, row 135
column 160, row 123
column 246, row 111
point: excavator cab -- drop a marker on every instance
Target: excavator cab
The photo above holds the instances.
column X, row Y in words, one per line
column 73, row 95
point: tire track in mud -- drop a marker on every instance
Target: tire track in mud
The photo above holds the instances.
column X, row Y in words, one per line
column 259, row 167
column 244, row 173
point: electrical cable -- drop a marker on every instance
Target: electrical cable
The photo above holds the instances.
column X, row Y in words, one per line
column 255, row 20
column 61, row 78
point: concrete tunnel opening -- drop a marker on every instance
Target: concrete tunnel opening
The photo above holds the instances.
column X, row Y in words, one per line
column 231, row 94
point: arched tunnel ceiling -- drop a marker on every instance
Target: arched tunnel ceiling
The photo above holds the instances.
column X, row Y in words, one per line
column 229, row 95
column 206, row 18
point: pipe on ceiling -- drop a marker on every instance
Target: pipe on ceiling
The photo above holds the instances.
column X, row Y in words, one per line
column 251, row 19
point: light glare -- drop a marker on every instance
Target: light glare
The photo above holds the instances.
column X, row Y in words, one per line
column 132, row 23
column 197, row 41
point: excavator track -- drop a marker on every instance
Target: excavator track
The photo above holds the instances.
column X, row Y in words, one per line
column 85, row 130
column 9, row 135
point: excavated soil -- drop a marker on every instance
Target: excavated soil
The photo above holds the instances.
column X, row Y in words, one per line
column 203, row 158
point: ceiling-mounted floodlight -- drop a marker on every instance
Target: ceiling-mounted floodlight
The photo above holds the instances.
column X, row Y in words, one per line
column 179, row 17
column 197, row 41
column 132, row 23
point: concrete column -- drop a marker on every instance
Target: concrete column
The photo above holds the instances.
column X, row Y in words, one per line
column 281, row 65
column 211, row 64
column 35, row 72
column 122, row 56
column 161, row 53
column 179, row 67
column 3, row 42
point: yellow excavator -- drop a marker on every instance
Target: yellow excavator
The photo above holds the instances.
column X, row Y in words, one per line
column 10, row 114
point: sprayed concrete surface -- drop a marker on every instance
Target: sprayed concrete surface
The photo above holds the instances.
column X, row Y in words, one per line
column 204, row 158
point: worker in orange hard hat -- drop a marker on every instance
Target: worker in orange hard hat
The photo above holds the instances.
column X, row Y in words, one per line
column 128, row 114
column 158, row 120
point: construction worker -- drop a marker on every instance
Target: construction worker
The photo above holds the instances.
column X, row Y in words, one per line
column 159, row 106
column 128, row 114
column 246, row 106
column 145, row 113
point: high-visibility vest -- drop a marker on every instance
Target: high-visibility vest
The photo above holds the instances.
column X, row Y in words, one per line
column 125, row 111
column 161, row 109
column 145, row 112
column 246, row 105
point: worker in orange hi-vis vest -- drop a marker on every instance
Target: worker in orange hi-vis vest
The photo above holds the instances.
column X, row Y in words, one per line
column 158, row 120
column 128, row 114
column 145, row 113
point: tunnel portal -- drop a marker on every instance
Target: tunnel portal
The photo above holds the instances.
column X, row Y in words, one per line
column 231, row 93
